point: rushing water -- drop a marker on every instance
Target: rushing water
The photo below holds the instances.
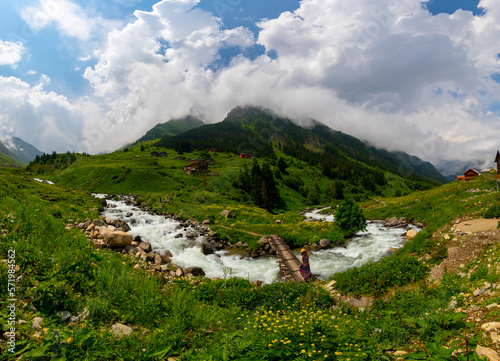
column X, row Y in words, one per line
column 369, row 246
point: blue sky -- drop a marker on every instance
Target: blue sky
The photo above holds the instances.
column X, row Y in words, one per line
column 422, row 77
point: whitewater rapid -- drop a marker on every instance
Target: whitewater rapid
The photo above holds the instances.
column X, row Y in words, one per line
column 167, row 234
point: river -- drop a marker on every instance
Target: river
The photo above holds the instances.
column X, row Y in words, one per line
column 369, row 246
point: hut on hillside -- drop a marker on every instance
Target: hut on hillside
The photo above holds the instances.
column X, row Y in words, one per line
column 198, row 166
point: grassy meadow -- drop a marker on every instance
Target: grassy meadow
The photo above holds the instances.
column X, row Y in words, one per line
column 227, row 319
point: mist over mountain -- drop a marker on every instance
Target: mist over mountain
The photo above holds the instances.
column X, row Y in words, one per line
column 255, row 130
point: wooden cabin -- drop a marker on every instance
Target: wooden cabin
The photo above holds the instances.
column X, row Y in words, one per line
column 212, row 150
column 470, row 174
column 197, row 167
column 246, row 155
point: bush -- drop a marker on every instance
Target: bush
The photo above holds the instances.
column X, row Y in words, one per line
column 492, row 212
column 376, row 278
column 350, row 218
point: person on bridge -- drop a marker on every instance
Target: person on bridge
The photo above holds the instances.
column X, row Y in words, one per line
column 305, row 270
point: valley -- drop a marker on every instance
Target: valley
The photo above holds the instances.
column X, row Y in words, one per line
column 433, row 297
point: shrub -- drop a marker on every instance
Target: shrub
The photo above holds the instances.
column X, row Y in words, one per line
column 492, row 212
column 376, row 278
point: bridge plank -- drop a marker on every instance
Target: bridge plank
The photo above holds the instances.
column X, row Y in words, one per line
column 289, row 262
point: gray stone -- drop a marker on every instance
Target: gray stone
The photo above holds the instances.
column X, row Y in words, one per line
column 37, row 323
column 325, row 243
column 206, row 248
column 227, row 214
column 120, row 330
column 65, row 315
column 178, row 235
column 99, row 223
column 158, row 260
column 118, row 223
column 263, row 241
column 195, row 271
column 146, row 246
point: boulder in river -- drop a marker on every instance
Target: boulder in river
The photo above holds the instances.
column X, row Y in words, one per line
column 325, row 243
column 117, row 239
column 195, row 271
column 411, row 234
column 145, row 246
column 206, row 248
column 118, row 223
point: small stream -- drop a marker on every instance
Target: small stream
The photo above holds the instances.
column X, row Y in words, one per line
column 167, row 234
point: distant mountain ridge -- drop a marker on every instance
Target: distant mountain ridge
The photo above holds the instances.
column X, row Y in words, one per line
column 259, row 131
column 19, row 153
column 173, row 127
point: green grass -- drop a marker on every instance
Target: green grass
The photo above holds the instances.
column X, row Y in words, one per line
column 222, row 319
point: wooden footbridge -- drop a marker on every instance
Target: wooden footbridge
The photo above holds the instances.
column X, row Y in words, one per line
column 289, row 264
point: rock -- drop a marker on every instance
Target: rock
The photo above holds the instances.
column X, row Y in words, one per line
column 399, row 353
column 90, row 228
column 495, row 337
column 85, row 314
column 120, row 330
column 195, row 271
column 227, row 214
column 206, row 248
column 191, row 234
column 490, row 326
column 99, row 223
column 150, row 257
column 263, row 241
column 239, row 244
column 37, row 323
column 145, row 246
column 257, row 283
column 493, row 305
column 279, row 221
column 117, row 239
column 178, row 235
column 488, row 352
column 392, row 222
column 206, row 221
column 325, row 243
column 179, row 272
column 118, row 223
column 446, row 236
column 168, row 253
column 476, row 293
column 165, row 259
column 21, row 322
column 158, row 260
column 411, row 234
column 65, row 315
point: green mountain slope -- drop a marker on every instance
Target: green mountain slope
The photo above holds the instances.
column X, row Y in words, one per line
column 399, row 163
column 260, row 132
column 171, row 128
column 7, row 158
column 24, row 151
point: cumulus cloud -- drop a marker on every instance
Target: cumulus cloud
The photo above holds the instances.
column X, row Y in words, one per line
column 11, row 52
column 45, row 119
column 387, row 72
column 69, row 18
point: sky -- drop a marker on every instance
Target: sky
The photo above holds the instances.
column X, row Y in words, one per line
column 417, row 76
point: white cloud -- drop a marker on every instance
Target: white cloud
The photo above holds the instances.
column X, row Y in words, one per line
column 70, row 19
column 45, row 119
column 11, row 53
column 386, row 72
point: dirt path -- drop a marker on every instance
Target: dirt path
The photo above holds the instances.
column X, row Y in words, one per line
column 470, row 239
column 240, row 230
